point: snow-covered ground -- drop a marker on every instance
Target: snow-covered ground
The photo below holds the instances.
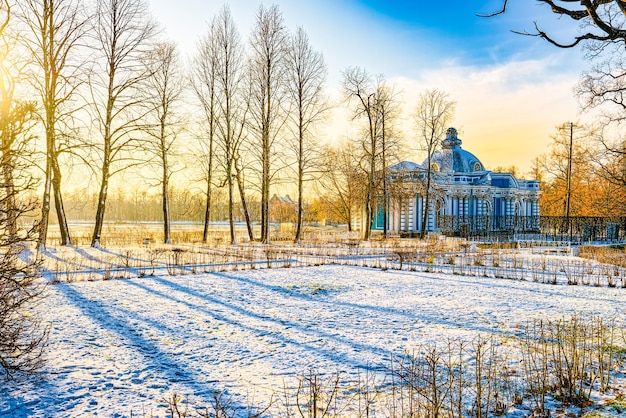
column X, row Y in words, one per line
column 119, row 347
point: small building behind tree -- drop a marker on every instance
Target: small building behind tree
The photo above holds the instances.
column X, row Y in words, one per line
column 283, row 209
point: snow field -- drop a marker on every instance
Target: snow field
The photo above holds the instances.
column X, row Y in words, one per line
column 121, row 346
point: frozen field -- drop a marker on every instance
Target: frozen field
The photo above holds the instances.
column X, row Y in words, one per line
column 119, row 347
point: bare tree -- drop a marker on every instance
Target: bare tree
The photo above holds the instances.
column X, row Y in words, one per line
column 387, row 109
column 376, row 103
column 57, row 28
column 610, row 158
column 269, row 42
column 599, row 21
column 22, row 338
column 343, row 182
column 15, row 117
column 306, row 78
column 204, row 82
column 223, row 45
column 165, row 87
column 433, row 114
column 603, row 88
column 359, row 88
column 568, row 173
column 122, row 34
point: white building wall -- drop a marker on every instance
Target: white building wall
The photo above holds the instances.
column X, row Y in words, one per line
column 406, row 213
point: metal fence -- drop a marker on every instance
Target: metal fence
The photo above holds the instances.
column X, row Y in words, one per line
column 550, row 228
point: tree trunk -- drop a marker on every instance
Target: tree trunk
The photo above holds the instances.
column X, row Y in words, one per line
column 10, row 207
column 45, row 208
column 385, row 197
column 165, row 182
column 58, row 202
column 244, row 204
column 52, row 187
column 231, row 203
column 426, row 202
column 102, row 197
column 207, row 209
column 372, row 181
column 167, row 239
column 368, row 216
column 265, row 191
column 298, row 236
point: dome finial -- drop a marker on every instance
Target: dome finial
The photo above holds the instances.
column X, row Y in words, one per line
column 452, row 140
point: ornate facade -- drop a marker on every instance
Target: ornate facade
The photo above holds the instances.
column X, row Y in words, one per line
column 465, row 198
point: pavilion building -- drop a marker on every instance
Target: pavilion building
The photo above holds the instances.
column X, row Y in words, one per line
column 465, row 198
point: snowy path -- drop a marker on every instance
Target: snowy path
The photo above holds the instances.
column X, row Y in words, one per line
column 121, row 346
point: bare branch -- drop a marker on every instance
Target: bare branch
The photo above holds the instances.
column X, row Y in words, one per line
column 502, row 11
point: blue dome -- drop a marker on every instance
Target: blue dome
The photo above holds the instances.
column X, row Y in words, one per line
column 452, row 158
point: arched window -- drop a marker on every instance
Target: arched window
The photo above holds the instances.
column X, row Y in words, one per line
column 477, row 167
column 434, row 167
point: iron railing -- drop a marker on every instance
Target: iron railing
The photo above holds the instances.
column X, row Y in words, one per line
column 561, row 228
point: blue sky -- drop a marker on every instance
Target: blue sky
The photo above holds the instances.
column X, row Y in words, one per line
column 511, row 90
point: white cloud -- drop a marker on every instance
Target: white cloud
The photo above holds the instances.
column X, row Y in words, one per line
column 507, row 113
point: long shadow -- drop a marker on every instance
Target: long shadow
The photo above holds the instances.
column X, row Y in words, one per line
column 285, row 324
column 162, row 363
column 118, row 254
column 16, row 403
column 368, row 308
column 84, row 268
column 190, row 268
column 109, row 266
column 54, row 256
column 56, row 397
column 88, row 256
column 352, row 306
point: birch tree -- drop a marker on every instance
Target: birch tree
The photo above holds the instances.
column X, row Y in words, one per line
column 57, row 28
column 306, row 76
column 267, row 71
column 122, row 33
